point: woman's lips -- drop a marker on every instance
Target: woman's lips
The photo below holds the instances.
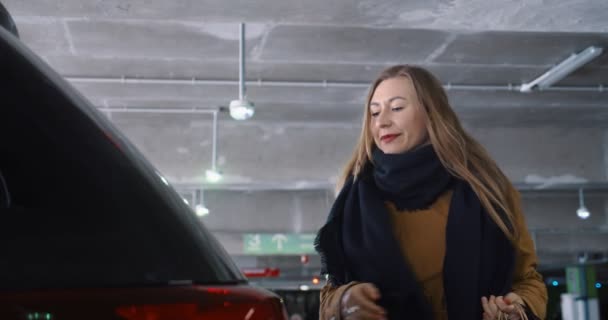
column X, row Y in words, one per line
column 388, row 138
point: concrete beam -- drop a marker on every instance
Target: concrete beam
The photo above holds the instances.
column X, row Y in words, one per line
column 180, row 146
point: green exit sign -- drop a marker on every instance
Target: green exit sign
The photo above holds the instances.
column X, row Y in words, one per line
column 278, row 243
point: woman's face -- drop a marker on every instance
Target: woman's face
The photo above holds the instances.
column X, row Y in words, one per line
column 397, row 119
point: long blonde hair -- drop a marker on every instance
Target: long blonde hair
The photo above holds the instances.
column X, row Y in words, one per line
column 459, row 153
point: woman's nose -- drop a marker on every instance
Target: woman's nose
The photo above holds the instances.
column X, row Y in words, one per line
column 383, row 121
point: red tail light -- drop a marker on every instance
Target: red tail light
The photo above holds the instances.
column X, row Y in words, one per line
column 241, row 302
column 191, row 311
column 262, row 273
column 166, row 311
column 217, row 303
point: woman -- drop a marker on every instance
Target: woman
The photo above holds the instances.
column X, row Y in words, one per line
column 426, row 226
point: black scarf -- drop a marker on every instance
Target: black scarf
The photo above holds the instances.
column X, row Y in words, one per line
column 357, row 242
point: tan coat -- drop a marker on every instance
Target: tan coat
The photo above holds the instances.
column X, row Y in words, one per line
column 426, row 260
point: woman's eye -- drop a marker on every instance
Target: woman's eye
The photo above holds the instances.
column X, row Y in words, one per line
column 397, row 108
column 375, row 114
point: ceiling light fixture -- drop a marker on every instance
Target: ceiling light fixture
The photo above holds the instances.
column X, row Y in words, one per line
column 242, row 109
column 563, row 69
column 213, row 175
column 200, row 209
column 582, row 211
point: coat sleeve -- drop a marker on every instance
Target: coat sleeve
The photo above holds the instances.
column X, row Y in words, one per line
column 527, row 282
column 330, row 300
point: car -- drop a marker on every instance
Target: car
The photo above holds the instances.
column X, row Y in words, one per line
column 88, row 228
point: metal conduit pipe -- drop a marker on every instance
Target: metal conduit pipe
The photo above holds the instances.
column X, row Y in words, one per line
column 212, row 111
column 242, row 92
column 259, row 83
column 313, row 84
column 599, row 188
column 215, row 142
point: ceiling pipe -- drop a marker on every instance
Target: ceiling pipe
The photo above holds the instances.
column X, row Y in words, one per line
column 159, row 110
column 582, row 211
column 213, row 175
column 312, row 84
column 242, row 109
column 595, row 188
column 200, row 208
column 242, row 89
column 215, row 137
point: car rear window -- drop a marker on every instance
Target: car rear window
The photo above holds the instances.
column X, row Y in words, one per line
column 84, row 210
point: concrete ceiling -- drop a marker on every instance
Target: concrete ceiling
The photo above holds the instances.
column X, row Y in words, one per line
column 308, row 67
column 462, row 42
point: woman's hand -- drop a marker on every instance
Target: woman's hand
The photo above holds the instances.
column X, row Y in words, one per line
column 509, row 305
column 359, row 302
